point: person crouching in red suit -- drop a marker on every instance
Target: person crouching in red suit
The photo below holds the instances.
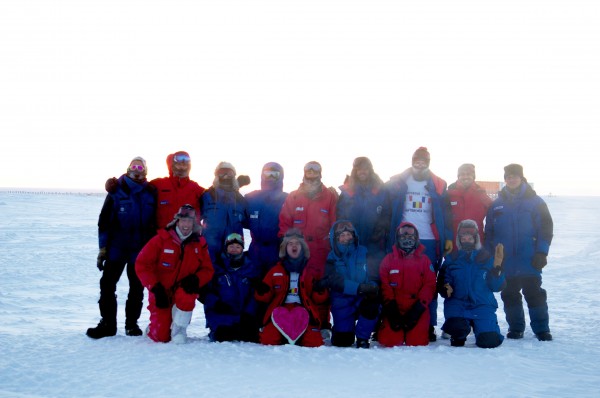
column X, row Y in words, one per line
column 174, row 265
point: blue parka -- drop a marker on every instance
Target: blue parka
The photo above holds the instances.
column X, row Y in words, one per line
column 264, row 206
column 234, row 288
column 520, row 221
column 223, row 212
column 127, row 220
column 442, row 219
column 474, row 281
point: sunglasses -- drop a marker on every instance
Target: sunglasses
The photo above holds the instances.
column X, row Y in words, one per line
column 181, row 158
column 136, row 167
column 313, row 167
column 272, row 173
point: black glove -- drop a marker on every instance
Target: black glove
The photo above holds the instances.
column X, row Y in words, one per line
column 320, row 285
column 190, row 284
column 111, row 185
column 392, row 313
column 243, row 180
column 412, row 316
column 160, row 296
column 368, row 290
column 223, row 308
column 101, row 261
column 261, row 287
column 539, row 261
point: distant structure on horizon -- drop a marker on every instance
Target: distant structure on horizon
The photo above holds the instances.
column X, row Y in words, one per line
column 493, row 187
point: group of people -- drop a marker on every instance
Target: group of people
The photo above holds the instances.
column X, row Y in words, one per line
column 348, row 267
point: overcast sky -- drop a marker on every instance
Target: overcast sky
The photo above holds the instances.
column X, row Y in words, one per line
column 87, row 85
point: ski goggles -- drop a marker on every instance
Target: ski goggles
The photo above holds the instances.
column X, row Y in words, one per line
column 294, row 233
column 181, row 158
column 344, row 226
column 313, row 167
column 234, row 238
column 136, row 167
column 272, row 174
column 186, row 211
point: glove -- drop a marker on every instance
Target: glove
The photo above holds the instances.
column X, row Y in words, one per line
column 160, row 296
column 412, row 316
column 190, row 284
column 539, row 261
column 261, row 287
column 392, row 313
column 320, row 285
column 223, row 308
column 448, row 247
column 101, row 261
column 499, row 255
column 449, row 289
column 367, row 289
column 243, row 180
column 111, row 185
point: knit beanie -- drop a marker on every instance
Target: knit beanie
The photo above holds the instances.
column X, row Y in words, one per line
column 513, row 169
column 421, row 154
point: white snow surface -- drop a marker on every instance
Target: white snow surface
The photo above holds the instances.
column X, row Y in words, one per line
column 48, row 298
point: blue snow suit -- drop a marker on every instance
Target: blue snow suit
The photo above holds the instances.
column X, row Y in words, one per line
column 264, row 206
column 474, row 280
column 223, row 212
column 229, row 300
column 346, row 268
column 522, row 222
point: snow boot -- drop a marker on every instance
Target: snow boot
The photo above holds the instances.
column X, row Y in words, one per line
column 181, row 320
column 514, row 335
column 432, row 335
column 544, row 336
column 104, row 329
column 457, row 342
column 362, row 343
column 132, row 329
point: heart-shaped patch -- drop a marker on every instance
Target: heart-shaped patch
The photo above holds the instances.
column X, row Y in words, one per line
column 291, row 322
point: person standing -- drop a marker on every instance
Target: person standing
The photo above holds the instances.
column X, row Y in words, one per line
column 126, row 223
column 407, row 287
column 174, row 266
column 521, row 221
column 418, row 196
column 224, row 209
column 312, row 210
column 264, row 206
column 229, row 306
column 468, row 201
column 364, row 201
column 471, row 277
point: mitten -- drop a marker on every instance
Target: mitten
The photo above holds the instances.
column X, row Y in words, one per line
column 499, row 255
column 190, row 284
column 321, row 284
column 412, row 316
column 449, row 289
column 368, row 290
column 243, row 180
column 448, row 247
column 223, row 308
column 160, row 296
column 101, row 261
column 392, row 313
column 261, row 287
column 111, row 185
column 539, row 261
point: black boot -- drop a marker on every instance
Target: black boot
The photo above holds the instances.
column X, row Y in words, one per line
column 132, row 329
column 362, row 343
column 432, row 336
column 457, row 342
column 104, row 329
column 514, row 335
column 544, row 336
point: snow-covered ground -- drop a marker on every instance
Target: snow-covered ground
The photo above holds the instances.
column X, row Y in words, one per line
column 49, row 290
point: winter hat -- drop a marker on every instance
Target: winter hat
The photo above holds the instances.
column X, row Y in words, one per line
column 271, row 176
column 224, row 165
column 513, row 169
column 134, row 172
column 404, row 229
column 468, row 227
column 185, row 211
column 293, row 233
column 234, row 238
column 466, row 168
column 421, row 154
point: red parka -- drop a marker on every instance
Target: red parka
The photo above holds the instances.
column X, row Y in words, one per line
column 166, row 260
column 471, row 203
column 278, row 280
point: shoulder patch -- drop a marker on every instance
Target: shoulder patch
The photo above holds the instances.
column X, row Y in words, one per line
column 431, row 268
column 169, row 251
column 394, row 271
